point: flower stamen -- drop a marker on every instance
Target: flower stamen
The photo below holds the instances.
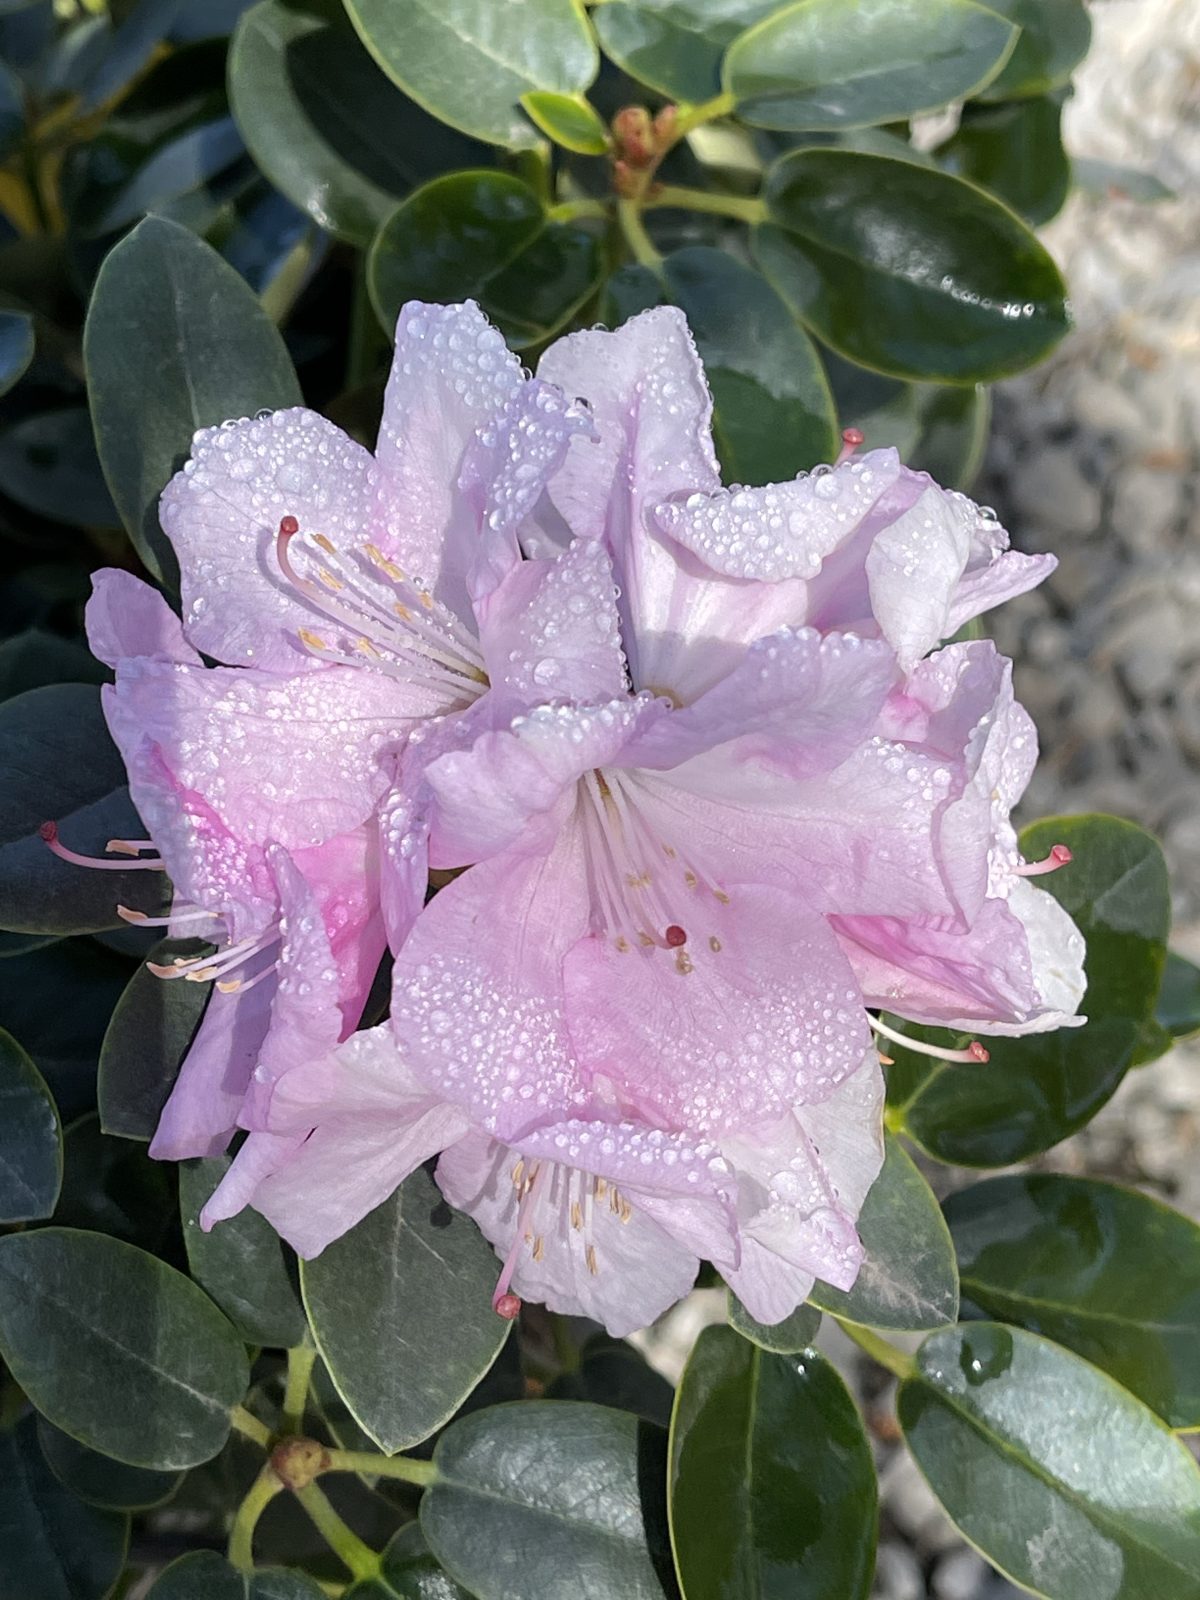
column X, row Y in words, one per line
column 973, row 1052
column 851, row 439
column 126, row 847
column 1059, row 856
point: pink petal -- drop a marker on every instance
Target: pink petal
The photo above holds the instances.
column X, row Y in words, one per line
column 913, row 570
column 222, row 514
column 476, row 990
column 295, row 759
column 550, row 628
column 515, row 787
column 796, row 703
column 260, row 1155
column 452, row 373
column 758, row 1012
column 640, row 1270
column 126, row 617
column 372, row 1124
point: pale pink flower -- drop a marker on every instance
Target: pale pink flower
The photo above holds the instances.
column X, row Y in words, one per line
column 637, row 988
column 350, row 597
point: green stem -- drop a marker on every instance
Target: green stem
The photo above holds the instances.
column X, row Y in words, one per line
column 248, row 1424
column 411, row 1470
column 241, row 1536
column 300, row 1361
column 573, row 210
column 707, row 111
column 897, row 1361
column 641, row 246
column 359, row 1559
column 744, row 208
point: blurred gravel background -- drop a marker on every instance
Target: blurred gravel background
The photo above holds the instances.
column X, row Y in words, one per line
column 1095, row 456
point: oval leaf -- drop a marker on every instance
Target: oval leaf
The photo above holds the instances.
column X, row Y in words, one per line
column 407, row 1571
column 907, row 270
column 204, row 1575
column 1178, row 1008
column 118, row 1349
column 16, row 346
column 506, row 1516
column 30, row 1138
column 401, row 1311
column 55, row 1547
column 829, row 64
column 470, row 61
column 1015, row 151
column 483, row 236
column 325, row 124
column 772, row 1486
column 240, row 1261
column 908, row 1279
column 150, row 1032
column 60, row 765
column 111, row 1186
column 48, row 464
column 1064, row 1481
column 939, row 428
column 772, row 411
column 568, row 119
column 786, row 1338
column 612, row 1373
column 1037, row 1090
column 1054, row 38
column 1110, row 1273
column 100, row 1480
column 675, row 45
column 174, row 341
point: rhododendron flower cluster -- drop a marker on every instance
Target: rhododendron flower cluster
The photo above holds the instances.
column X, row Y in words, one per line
column 713, row 790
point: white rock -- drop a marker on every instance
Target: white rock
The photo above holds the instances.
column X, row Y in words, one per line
column 961, row 1575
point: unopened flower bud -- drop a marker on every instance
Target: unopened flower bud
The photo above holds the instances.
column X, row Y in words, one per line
column 297, row 1461
column 633, row 132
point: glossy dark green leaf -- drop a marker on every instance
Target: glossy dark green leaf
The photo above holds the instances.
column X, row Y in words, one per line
column 829, row 64
column 110, row 1185
column 30, row 1138
column 240, row 1262
column 1065, row 1482
column 52, row 1546
column 612, row 1373
column 16, row 347
column 60, row 764
column 786, row 1338
column 48, row 464
column 35, row 658
column 1112, row 182
column 908, row 1279
column 401, row 1310
column 1054, row 38
column 1178, row 1007
column 170, row 134
column 532, row 1497
column 116, row 1348
column 151, row 1029
column 1016, row 151
column 772, row 411
column 470, row 61
column 1112, row 1274
column 1037, row 1090
column 174, row 341
column 408, row 1571
column 675, row 45
column 906, row 270
column 772, row 1487
column 63, row 1039
column 204, row 1575
column 568, row 119
column 100, row 1480
column 326, row 125
column 483, row 236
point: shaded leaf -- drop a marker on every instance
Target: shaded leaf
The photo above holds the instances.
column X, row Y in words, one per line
column 1016, row 151
column 1178, row 1007
column 772, row 1485
column 1054, row 38
column 100, row 1480
column 408, row 1571
column 1112, row 1274
column 675, row 45
column 786, row 1338
column 612, row 1373
column 829, row 64
column 470, row 61
column 401, row 1311
column 16, row 347
column 116, row 1348
column 204, row 1575
column 174, row 341
column 1112, row 182
column 48, row 464
column 30, row 1138
column 531, row 1496
column 151, row 1030
column 111, row 1186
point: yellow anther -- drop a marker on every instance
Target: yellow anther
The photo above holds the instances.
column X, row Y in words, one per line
column 327, row 545
column 576, row 1215
column 312, row 640
column 593, row 1265
column 714, row 944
